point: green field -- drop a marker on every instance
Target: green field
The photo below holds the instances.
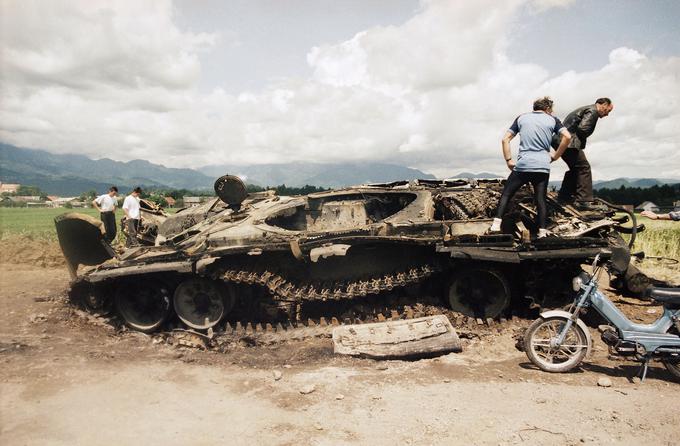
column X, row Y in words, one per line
column 662, row 238
column 36, row 222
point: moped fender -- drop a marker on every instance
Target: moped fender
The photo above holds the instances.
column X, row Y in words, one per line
column 579, row 322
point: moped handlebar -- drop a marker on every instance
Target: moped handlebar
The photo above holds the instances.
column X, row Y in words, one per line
column 596, row 261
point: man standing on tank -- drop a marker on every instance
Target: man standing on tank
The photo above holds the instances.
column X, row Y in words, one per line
column 106, row 205
column 536, row 130
column 132, row 214
column 577, row 185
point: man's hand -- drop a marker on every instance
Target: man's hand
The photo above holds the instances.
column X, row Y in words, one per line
column 510, row 163
column 649, row 214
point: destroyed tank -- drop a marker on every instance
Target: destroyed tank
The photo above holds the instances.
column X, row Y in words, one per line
column 265, row 258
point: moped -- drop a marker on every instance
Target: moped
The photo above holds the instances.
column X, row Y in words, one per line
column 558, row 340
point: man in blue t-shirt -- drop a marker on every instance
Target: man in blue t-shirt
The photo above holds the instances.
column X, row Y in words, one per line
column 535, row 130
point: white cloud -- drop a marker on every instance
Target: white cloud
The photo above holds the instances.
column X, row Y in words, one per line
column 543, row 5
column 437, row 92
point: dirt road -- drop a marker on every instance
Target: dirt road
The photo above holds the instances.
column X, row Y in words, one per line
column 65, row 380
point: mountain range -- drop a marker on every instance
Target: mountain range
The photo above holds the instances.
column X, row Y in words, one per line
column 68, row 175
column 326, row 175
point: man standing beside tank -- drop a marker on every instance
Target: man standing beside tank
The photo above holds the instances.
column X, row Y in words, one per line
column 132, row 214
column 577, row 185
column 106, row 205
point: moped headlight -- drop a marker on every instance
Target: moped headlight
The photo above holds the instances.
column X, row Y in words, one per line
column 578, row 281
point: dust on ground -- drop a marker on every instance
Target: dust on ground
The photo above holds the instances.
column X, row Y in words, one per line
column 30, row 250
column 67, row 379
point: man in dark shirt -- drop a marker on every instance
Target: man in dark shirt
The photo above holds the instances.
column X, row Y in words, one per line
column 577, row 185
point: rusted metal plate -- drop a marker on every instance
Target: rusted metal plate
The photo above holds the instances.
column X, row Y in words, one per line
column 425, row 336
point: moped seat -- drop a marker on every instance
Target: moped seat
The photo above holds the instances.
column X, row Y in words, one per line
column 667, row 296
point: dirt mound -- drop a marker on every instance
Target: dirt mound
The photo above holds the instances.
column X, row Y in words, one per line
column 25, row 249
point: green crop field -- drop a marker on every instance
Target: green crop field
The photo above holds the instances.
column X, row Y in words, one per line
column 39, row 222
column 35, row 222
column 660, row 238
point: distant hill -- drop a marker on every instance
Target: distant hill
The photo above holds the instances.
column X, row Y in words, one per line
column 73, row 174
column 68, row 175
column 336, row 175
column 642, row 183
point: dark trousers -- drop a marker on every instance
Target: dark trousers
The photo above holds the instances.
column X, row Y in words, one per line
column 539, row 181
column 132, row 225
column 577, row 184
column 109, row 220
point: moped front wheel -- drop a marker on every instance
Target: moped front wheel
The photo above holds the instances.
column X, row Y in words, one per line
column 539, row 345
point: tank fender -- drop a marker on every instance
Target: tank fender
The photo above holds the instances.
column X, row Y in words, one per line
column 579, row 322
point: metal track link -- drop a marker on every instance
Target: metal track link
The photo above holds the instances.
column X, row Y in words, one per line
column 285, row 290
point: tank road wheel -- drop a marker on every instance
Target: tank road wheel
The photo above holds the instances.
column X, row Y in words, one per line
column 143, row 305
column 479, row 292
column 201, row 303
column 96, row 302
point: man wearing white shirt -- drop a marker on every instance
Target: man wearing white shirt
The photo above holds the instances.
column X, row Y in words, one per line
column 131, row 209
column 106, row 205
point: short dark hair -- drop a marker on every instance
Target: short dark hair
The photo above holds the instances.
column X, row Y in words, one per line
column 543, row 104
column 605, row 101
column 137, row 189
column 113, row 189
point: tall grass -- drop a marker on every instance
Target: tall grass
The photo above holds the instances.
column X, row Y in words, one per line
column 661, row 238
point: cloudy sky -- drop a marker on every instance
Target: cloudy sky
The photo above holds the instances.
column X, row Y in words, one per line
column 431, row 84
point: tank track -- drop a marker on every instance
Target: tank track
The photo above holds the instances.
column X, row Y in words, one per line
column 227, row 335
column 287, row 294
column 284, row 290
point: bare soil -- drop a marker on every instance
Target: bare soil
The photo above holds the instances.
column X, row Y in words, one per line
column 31, row 250
column 67, row 379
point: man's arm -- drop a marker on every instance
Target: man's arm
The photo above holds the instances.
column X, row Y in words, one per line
column 654, row 216
column 564, row 143
column 126, row 206
column 507, row 154
column 95, row 204
column 586, row 126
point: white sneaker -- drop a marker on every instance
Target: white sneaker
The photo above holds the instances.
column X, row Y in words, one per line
column 543, row 233
column 496, row 226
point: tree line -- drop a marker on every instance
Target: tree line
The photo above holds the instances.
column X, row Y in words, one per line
column 663, row 196
column 158, row 195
